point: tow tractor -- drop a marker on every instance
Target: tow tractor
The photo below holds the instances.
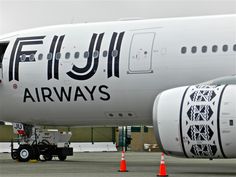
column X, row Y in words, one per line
column 40, row 144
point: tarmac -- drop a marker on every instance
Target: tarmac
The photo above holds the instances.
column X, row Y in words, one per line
column 106, row 164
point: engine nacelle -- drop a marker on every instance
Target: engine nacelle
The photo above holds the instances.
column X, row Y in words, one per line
column 197, row 121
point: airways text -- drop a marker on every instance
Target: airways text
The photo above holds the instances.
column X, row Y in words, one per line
column 66, row 94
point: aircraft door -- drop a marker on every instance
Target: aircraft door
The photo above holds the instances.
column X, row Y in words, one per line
column 3, row 47
column 140, row 58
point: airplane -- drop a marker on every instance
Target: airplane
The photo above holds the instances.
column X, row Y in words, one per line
column 177, row 74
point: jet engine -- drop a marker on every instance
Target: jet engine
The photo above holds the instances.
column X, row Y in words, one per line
column 197, row 121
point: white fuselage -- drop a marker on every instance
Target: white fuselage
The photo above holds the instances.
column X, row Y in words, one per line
column 143, row 58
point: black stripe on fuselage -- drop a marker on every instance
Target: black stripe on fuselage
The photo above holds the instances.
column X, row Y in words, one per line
column 117, row 58
column 56, row 61
column 50, row 61
column 110, row 57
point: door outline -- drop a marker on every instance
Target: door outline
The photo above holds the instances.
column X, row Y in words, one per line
column 150, row 70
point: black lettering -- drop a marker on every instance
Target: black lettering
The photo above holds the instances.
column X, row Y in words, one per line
column 117, row 58
column 91, row 91
column 110, row 57
column 37, row 94
column 56, row 43
column 17, row 52
column 56, row 63
column 79, row 93
column 27, row 94
column 63, row 93
column 92, row 62
column 51, row 50
column 46, row 95
column 106, row 94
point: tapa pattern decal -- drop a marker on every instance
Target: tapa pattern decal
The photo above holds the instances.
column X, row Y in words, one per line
column 202, row 95
column 200, row 113
column 199, row 121
column 204, row 150
column 200, row 132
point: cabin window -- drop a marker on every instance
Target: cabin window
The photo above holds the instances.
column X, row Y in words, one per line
column 58, row 56
column 23, row 57
column 76, row 55
column 214, row 48
column 31, row 57
column 95, row 54
column 183, row 50
column 204, row 49
column 225, row 48
column 114, row 53
column 194, row 49
column 3, row 48
column 86, row 54
column 40, row 56
column 234, row 48
column 67, row 55
column 104, row 54
column 49, row 56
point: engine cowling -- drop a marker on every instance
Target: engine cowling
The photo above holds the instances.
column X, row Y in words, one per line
column 197, row 121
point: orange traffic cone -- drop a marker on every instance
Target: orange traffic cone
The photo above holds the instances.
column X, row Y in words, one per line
column 123, row 163
column 162, row 169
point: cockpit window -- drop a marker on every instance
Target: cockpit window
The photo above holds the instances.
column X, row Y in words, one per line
column 3, row 48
